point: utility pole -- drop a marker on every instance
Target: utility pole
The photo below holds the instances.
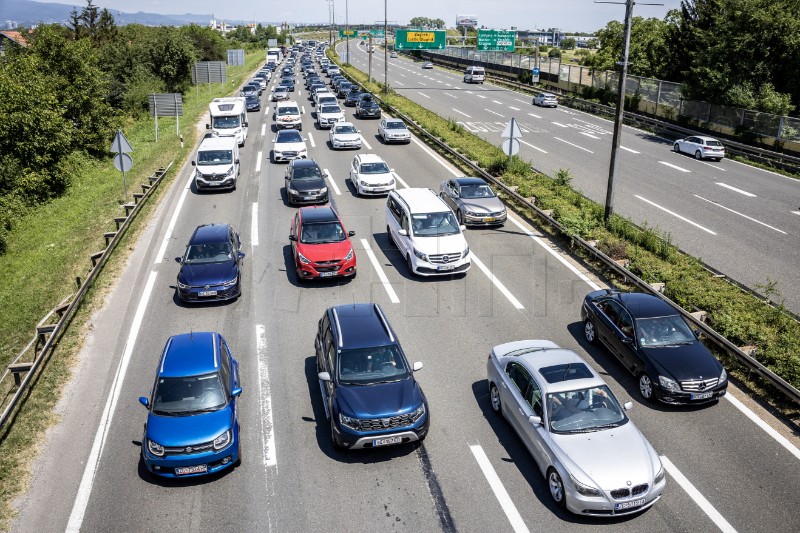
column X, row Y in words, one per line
column 347, row 32
column 369, row 59
column 385, row 50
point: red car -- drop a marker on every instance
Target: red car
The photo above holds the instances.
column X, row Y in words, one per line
column 320, row 245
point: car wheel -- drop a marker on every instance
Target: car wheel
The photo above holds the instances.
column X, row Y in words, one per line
column 336, row 444
column 646, row 387
column 556, row 487
column 238, row 462
column 494, row 398
column 410, row 265
column 391, row 238
column 676, row 148
column 589, row 331
column 698, row 155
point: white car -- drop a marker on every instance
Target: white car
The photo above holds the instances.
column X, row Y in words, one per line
column 327, row 99
column 371, row 175
column 328, row 115
column 545, row 100
column 288, row 145
column 344, row 135
column 393, row 130
column 322, row 92
column 700, row 147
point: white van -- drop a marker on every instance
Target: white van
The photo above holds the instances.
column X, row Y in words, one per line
column 217, row 163
column 287, row 115
column 474, row 75
column 228, row 118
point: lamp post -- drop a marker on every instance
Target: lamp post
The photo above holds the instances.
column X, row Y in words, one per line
column 347, row 32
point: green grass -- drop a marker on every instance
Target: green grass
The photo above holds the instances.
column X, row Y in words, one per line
column 51, row 246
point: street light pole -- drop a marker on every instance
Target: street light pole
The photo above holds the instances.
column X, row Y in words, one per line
column 385, row 49
column 347, row 32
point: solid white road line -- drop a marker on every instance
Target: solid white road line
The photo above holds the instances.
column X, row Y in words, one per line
column 401, row 180
column 494, row 113
column 741, row 214
column 698, row 498
column 517, row 524
column 783, row 441
column 631, row 150
column 423, row 94
column 589, row 135
column 514, row 108
column 676, row 167
column 268, row 455
column 538, row 240
column 333, row 183
column 480, row 96
column 364, row 142
column 93, row 461
column 254, row 225
column 461, row 113
column 575, row 145
column 311, row 140
column 740, row 191
column 168, row 235
column 560, row 125
column 497, row 283
column 258, row 161
column 532, row 146
column 381, row 275
column 676, row 215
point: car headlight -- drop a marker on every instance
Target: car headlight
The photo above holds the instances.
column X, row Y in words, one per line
column 229, row 172
column 223, row 440
column 466, row 252
column 419, row 254
column 230, row 283
column 183, row 286
column 303, row 259
column 659, row 477
column 391, row 181
column 323, row 190
column 292, row 191
column 668, row 384
column 417, row 414
column 473, row 213
column 583, row 489
column 723, row 376
column 198, row 174
column 349, row 255
column 304, row 150
column 364, row 183
column 353, row 423
column 155, row 448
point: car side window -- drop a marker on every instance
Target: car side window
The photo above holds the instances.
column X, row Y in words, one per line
column 534, row 397
column 519, row 376
column 610, row 309
column 225, row 367
column 626, row 323
column 330, row 351
column 404, row 223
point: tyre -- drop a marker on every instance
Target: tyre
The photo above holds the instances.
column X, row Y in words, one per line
column 698, row 155
column 238, row 461
column 494, row 399
column 556, row 486
column 646, row 387
column 410, row 265
column 337, row 445
column 589, row 332
column 676, row 148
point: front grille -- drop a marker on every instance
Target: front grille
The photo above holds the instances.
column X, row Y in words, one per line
column 620, row 494
column 372, row 424
column 194, row 448
column 639, row 489
column 327, row 263
column 699, row 385
column 213, row 177
column 289, row 154
column 444, row 259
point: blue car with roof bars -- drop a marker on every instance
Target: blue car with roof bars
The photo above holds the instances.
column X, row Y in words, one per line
column 192, row 424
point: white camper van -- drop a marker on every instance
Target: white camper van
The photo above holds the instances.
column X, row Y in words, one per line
column 228, row 118
column 275, row 54
column 217, row 163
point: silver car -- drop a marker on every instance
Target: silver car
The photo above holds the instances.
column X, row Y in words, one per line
column 393, row 130
column 595, row 460
column 473, row 202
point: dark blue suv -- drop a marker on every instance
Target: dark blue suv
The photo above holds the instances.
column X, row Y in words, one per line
column 371, row 397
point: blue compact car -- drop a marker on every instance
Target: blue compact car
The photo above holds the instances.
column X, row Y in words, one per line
column 192, row 424
column 369, row 391
column 211, row 265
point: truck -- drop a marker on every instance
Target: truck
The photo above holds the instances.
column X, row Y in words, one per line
column 217, row 163
column 228, row 118
column 275, row 54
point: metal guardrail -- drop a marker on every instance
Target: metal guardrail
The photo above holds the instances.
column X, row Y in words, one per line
column 49, row 334
column 721, row 342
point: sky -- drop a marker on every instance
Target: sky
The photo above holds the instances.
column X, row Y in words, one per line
column 568, row 15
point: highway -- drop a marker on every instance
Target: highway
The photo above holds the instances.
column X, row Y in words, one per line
column 724, row 471
column 740, row 220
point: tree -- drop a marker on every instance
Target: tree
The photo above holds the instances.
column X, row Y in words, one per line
column 647, row 51
column 426, row 22
column 172, row 57
column 568, row 44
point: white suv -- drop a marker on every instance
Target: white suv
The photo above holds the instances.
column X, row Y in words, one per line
column 426, row 232
column 287, row 115
column 371, row 175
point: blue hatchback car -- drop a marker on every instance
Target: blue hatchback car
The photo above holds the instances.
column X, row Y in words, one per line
column 369, row 391
column 211, row 265
column 192, row 425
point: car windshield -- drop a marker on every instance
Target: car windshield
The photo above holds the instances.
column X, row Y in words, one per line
column 345, row 129
column 301, row 173
column 713, row 143
column 282, row 111
column 395, row 126
column 584, row 410
column 214, row 252
column 224, row 123
column 215, row 157
column 434, row 224
column 663, row 331
column 368, row 366
column 322, row 232
column 289, row 136
column 374, row 168
column 189, row 395
column 331, row 109
column 476, row 191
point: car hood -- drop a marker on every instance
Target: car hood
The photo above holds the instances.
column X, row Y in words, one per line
column 384, row 177
column 481, row 205
column 287, row 147
column 304, row 185
column 347, row 136
column 610, row 458
column 683, row 362
column 446, row 244
column 215, row 170
column 331, row 115
column 325, row 252
column 382, row 400
column 208, row 274
column 178, row 431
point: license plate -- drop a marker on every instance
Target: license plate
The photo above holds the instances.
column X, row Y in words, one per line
column 489, row 219
column 702, row 395
column 628, row 505
column 445, row 267
column 208, row 293
column 326, row 274
column 386, row 441
column 306, row 198
column 196, row 469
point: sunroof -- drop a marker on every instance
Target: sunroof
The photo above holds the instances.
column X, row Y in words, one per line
column 559, row 373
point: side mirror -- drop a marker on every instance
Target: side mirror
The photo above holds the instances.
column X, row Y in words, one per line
column 626, row 340
column 208, row 126
column 194, row 163
column 178, row 259
column 535, row 420
column 627, row 406
column 462, row 227
column 144, row 401
column 246, row 124
column 236, row 392
column 403, row 232
column 351, row 233
column 241, row 255
column 293, row 238
column 324, row 376
column 236, row 161
column 391, row 170
column 417, row 366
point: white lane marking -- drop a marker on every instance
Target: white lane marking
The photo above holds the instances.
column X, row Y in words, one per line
column 258, row 161
column 452, row 95
column 381, row 275
column 555, row 254
column 168, row 235
column 796, row 212
column 436, row 158
column 399, row 83
column 423, row 94
column 497, row 283
column 534, row 116
column 470, row 92
column 401, row 180
column 263, row 130
column 266, row 111
column 496, row 102
column 404, row 74
column 521, row 101
column 364, row 142
column 695, row 224
column 480, row 96
column 589, row 135
column 449, row 85
column 461, row 113
column 303, row 109
column 93, row 461
column 698, row 498
column 676, row 167
column 333, row 183
column 423, row 83
column 575, row 145
column 311, row 140
column 783, row 441
column 631, row 150
column 439, row 81
column 740, row 191
column 514, row 108
column 532, row 146
column 560, row 124
column 741, row 214
column 254, row 226
column 269, row 457
column 517, row 524
column 494, row 113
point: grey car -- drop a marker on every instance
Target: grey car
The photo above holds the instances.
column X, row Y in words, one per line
column 473, row 202
column 595, row 460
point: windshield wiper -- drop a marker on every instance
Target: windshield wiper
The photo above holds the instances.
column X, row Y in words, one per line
column 607, row 426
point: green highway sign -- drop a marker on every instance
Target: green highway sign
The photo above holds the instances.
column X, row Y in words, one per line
column 419, row 40
column 496, row 40
column 347, row 33
column 377, row 34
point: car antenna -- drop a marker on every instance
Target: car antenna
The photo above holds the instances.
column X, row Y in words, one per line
column 566, row 371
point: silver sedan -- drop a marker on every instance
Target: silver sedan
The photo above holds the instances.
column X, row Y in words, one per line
column 595, row 460
column 473, row 202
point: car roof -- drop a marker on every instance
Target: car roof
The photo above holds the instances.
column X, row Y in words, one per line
column 212, row 142
column 210, row 233
column 190, row 354
column 466, row 180
column 303, row 163
column 370, row 158
column 287, row 133
column 703, row 137
column 362, row 326
column 318, row 213
column 421, row 200
column 388, row 120
column 642, row 305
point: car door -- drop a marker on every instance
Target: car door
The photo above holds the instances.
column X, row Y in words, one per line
column 512, row 395
column 626, row 340
column 536, row 437
column 606, row 317
column 354, row 172
column 382, row 128
column 450, row 194
column 295, row 232
column 619, row 332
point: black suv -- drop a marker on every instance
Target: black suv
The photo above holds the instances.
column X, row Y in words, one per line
column 369, row 392
column 305, row 182
column 367, row 107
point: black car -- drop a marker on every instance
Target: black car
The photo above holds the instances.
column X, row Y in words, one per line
column 288, row 83
column 313, row 80
column 252, row 102
column 367, row 107
column 352, row 98
column 654, row 342
column 211, row 265
column 287, row 71
column 343, row 89
column 305, row 182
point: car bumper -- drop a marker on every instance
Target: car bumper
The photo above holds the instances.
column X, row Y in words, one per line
column 424, row 268
column 694, row 398
column 212, row 293
column 287, row 125
column 375, row 189
column 356, row 440
column 390, row 139
column 204, row 184
column 369, row 114
column 485, row 220
column 281, row 156
column 308, row 198
column 605, row 506
column 344, row 269
column 328, row 123
column 346, row 144
column 213, row 461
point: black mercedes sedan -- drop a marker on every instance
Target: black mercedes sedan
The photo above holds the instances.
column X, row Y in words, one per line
column 656, row 344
